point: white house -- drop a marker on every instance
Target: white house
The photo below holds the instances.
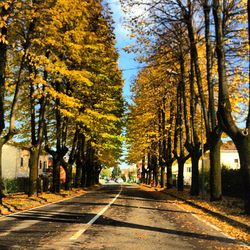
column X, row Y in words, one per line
column 187, row 172
column 229, row 158
column 229, row 155
column 15, row 162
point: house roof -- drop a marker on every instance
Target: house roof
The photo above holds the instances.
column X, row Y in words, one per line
column 229, row 145
column 23, row 146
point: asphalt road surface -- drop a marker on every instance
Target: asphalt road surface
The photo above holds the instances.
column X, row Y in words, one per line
column 113, row 217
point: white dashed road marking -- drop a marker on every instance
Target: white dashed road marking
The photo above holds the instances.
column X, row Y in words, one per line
column 92, row 221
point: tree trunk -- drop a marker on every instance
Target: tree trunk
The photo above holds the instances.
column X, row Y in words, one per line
column 1, row 176
column 149, row 177
column 169, row 176
column 97, row 179
column 243, row 147
column 78, row 175
column 5, row 11
column 215, row 170
column 143, row 172
column 89, row 176
column 33, row 177
column 162, row 142
column 241, row 138
column 3, row 58
column 83, row 176
column 56, row 175
column 195, row 60
column 89, row 164
column 3, row 61
column 155, row 170
column 89, row 173
column 83, row 167
column 213, row 138
column 180, row 183
column 36, row 139
column 195, row 174
column 94, row 174
column 168, row 155
column 68, row 183
column 97, row 174
column 163, row 177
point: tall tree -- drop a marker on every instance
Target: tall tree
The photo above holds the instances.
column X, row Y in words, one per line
column 11, row 17
column 240, row 137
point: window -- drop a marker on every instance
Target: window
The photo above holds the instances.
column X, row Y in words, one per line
column 189, row 169
column 236, row 160
column 40, row 165
column 21, row 162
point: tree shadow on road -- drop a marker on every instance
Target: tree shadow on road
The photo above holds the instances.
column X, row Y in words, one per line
column 92, row 204
column 105, row 221
column 68, row 217
column 152, row 209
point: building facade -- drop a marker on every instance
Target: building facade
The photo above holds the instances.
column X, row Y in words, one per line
column 229, row 158
column 15, row 162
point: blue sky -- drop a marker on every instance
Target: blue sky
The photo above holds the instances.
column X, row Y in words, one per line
column 126, row 61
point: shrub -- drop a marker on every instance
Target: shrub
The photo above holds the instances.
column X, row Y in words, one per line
column 16, row 185
column 231, row 182
column 206, row 176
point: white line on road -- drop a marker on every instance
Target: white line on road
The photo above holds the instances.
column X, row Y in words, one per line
column 92, row 221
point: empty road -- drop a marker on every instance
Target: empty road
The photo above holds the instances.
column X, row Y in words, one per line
column 113, row 217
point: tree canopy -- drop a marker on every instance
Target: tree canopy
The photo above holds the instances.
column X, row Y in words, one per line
column 61, row 86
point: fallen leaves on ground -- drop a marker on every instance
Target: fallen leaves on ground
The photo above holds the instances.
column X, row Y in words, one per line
column 20, row 201
column 228, row 207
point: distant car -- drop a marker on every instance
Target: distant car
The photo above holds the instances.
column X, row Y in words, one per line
column 119, row 180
